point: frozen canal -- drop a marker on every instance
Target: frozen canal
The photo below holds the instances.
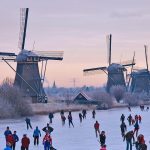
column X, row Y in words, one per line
column 82, row 136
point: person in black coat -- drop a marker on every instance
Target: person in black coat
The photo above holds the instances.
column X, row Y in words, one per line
column 102, row 138
column 48, row 128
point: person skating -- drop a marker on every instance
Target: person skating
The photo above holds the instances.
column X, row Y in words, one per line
column 36, row 135
column 140, row 144
column 129, row 108
column 147, row 108
column 7, row 132
column 51, row 116
column 25, row 141
column 93, row 114
column 129, row 136
column 48, row 128
column 47, row 141
column 96, row 127
column 10, row 139
column 122, row 118
column 84, row 113
column 80, row 117
column 102, row 138
column 70, row 120
column 136, row 128
column 136, row 117
column 103, row 147
column 140, row 118
column 133, row 121
column 63, row 119
column 16, row 139
column 129, row 119
column 123, row 128
column 28, row 123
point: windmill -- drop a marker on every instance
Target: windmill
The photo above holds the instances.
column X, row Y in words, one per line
column 140, row 78
column 28, row 76
column 114, row 71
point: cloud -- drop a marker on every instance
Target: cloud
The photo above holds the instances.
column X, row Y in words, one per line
column 127, row 14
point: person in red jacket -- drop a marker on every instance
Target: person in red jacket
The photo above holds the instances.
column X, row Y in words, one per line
column 96, row 126
column 47, row 141
column 103, row 147
column 25, row 142
column 10, row 139
column 140, row 118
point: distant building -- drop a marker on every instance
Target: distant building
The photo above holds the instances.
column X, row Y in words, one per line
column 82, row 98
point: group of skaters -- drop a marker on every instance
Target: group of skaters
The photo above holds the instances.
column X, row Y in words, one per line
column 129, row 136
column 13, row 138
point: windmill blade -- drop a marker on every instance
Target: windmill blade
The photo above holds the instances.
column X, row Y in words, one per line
column 98, row 70
column 108, row 41
column 7, row 56
column 128, row 63
column 52, row 55
column 23, row 27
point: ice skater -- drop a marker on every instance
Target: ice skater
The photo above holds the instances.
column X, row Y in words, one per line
column 70, row 120
column 51, row 116
column 84, row 113
column 28, row 123
column 102, row 138
column 129, row 119
column 16, row 139
column 93, row 114
column 122, row 118
column 129, row 136
column 48, row 128
column 96, row 127
column 136, row 128
column 25, row 142
column 80, row 117
column 123, row 128
column 36, row 135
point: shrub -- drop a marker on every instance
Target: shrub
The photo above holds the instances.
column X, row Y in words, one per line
column 12, row 104
column 102, row 98
column 118, row 92
column 132, row 99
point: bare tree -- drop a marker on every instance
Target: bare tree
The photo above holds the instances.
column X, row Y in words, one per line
column 118, row 92
column 12, row 100
column 132, row 99
column 102, row 98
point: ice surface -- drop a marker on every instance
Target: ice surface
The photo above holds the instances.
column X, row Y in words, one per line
column 82, row 137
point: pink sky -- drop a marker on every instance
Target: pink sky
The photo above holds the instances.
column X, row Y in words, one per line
column 79, row 28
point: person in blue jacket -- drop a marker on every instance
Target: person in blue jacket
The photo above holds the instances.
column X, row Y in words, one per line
column 16, row 139
column 7, row 132
column 36, row 135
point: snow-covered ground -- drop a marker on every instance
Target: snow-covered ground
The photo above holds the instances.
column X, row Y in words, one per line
column 82, row 136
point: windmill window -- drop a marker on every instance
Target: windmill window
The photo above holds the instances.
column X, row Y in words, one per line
column 36, row 59
column 29, row 58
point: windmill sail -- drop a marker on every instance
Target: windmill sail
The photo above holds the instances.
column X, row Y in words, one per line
column 52, row 55
column 7, row 56
column 23, row 27
column 97, row 70
column 108, row 41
